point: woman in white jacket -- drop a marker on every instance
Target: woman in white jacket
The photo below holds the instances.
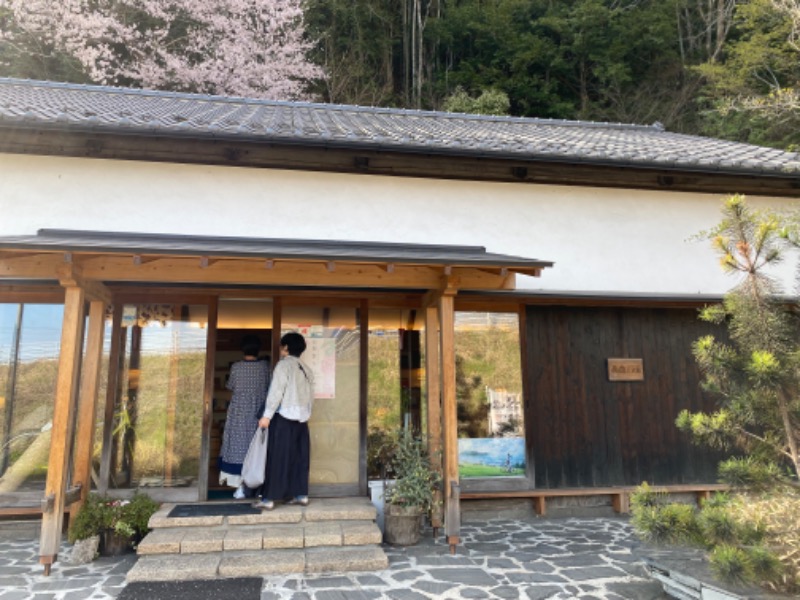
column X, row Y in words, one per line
column 286, row 414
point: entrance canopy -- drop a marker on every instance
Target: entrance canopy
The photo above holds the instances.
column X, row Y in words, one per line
column 109, row 257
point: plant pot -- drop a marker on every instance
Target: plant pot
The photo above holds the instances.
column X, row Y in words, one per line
column 114, row 544
column 376, row 489
column 402, row 525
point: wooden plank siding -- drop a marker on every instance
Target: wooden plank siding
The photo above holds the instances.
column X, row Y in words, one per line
column 586, row 431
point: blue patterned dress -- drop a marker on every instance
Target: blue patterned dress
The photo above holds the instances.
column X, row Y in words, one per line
column 249, row 382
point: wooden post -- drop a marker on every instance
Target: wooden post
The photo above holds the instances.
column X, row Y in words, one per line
column 208, row 398
column 118, row 338
column 172, row 405
column 363, row 395
column 449, row 415
column 433, row 385
column 63, row 426
column 87, row 405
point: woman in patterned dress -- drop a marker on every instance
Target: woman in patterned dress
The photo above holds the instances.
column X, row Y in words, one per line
column 249, row 382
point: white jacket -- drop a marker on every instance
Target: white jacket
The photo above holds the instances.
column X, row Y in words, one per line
column 291, row 392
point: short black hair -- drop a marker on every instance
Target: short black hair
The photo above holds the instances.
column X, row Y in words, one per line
column 295, row 343
column 251, row 345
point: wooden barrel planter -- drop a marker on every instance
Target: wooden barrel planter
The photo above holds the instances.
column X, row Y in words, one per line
column 402, row 525
column 114, row 544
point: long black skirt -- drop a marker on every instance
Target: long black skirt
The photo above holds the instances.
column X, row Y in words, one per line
column 288, row 459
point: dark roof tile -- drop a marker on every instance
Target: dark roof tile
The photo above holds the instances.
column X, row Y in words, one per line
column 96, row 108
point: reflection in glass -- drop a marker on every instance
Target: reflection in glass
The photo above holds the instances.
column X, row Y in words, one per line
column 30, row 337
column 396, row 380
column 158, row 421
column 489, row 387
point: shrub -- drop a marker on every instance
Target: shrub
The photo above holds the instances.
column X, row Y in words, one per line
column 126, row 517
column 729, row 563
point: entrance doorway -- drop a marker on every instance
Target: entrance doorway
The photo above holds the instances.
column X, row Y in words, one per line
column 333, row 352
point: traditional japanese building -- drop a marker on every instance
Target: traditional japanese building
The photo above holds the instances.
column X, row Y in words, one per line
column 523, row 290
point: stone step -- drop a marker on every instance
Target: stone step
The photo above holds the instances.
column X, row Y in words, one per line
column 259, row 536
column 258, row 563
column 319, row 510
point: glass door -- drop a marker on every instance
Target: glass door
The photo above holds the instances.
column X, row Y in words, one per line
column 30, row 336
column 334, row 353
column 159, row 405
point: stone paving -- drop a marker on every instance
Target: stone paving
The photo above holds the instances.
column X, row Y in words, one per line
column 537, row 559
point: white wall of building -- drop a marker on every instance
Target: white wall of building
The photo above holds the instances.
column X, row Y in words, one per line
column 601, row 240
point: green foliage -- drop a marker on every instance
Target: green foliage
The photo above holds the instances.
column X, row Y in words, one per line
column 745, row 564
column 415, row 478
column 645, row 496
column 126, row 517
column 729, row 563
column 756, row 374
column 750, row 538
column 746, row 88
column 748, row 472
column 489, row 102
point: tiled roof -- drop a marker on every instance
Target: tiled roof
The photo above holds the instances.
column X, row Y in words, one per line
column 60, row 240
column 43, row 105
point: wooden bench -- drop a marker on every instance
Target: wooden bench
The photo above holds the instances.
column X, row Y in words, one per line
column 620, row 496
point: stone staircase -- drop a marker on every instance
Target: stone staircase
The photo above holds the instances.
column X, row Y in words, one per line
column 328, row 535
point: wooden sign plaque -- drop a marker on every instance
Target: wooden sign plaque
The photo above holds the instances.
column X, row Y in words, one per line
column 625, row 369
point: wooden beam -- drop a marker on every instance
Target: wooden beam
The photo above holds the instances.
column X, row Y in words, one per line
column 218, row 151
column 70, row 274
column 89, row 271
column 87, row 405
column 63, row 424
column 434, row 388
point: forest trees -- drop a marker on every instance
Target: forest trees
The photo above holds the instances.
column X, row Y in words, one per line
column 233, row 47
column 726, row 68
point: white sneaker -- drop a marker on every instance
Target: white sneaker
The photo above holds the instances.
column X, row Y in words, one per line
column 239, row 493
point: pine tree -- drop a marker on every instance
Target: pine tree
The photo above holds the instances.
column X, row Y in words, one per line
column 756, row 373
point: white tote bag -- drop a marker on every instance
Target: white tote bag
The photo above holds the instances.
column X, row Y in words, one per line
column 255, row 461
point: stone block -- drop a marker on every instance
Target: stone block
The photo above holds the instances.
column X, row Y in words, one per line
column 161, row 541
column 283, row 536
column 201, row 541
column 341, row 509
column 323, row 534
column 360, row 533
column 362, row 558
column 182, row 567
column 281, row 514
column 259, row 564
column 243, row 538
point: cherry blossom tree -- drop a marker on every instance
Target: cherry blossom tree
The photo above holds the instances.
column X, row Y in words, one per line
column 253, row 48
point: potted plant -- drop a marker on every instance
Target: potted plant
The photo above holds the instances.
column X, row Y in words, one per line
column 119, row 524
column 411, row 496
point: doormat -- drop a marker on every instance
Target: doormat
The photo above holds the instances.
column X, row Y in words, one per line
column 243, row 588
column 212, row 510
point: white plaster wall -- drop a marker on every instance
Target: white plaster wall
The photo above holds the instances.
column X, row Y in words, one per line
column 602, row 240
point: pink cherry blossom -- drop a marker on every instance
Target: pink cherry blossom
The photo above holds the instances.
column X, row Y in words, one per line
column 250, row 48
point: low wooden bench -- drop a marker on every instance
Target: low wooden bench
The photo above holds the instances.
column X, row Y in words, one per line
column 620, row 496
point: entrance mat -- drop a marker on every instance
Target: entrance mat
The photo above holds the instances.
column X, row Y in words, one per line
column 244, row 588
column 212, row 510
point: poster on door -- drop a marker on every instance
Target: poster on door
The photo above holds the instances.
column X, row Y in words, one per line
column 320, row 355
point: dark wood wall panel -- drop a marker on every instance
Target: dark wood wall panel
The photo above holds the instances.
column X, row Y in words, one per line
column 586, row 431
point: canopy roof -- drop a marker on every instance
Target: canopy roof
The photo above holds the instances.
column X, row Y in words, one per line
column 124, row 256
